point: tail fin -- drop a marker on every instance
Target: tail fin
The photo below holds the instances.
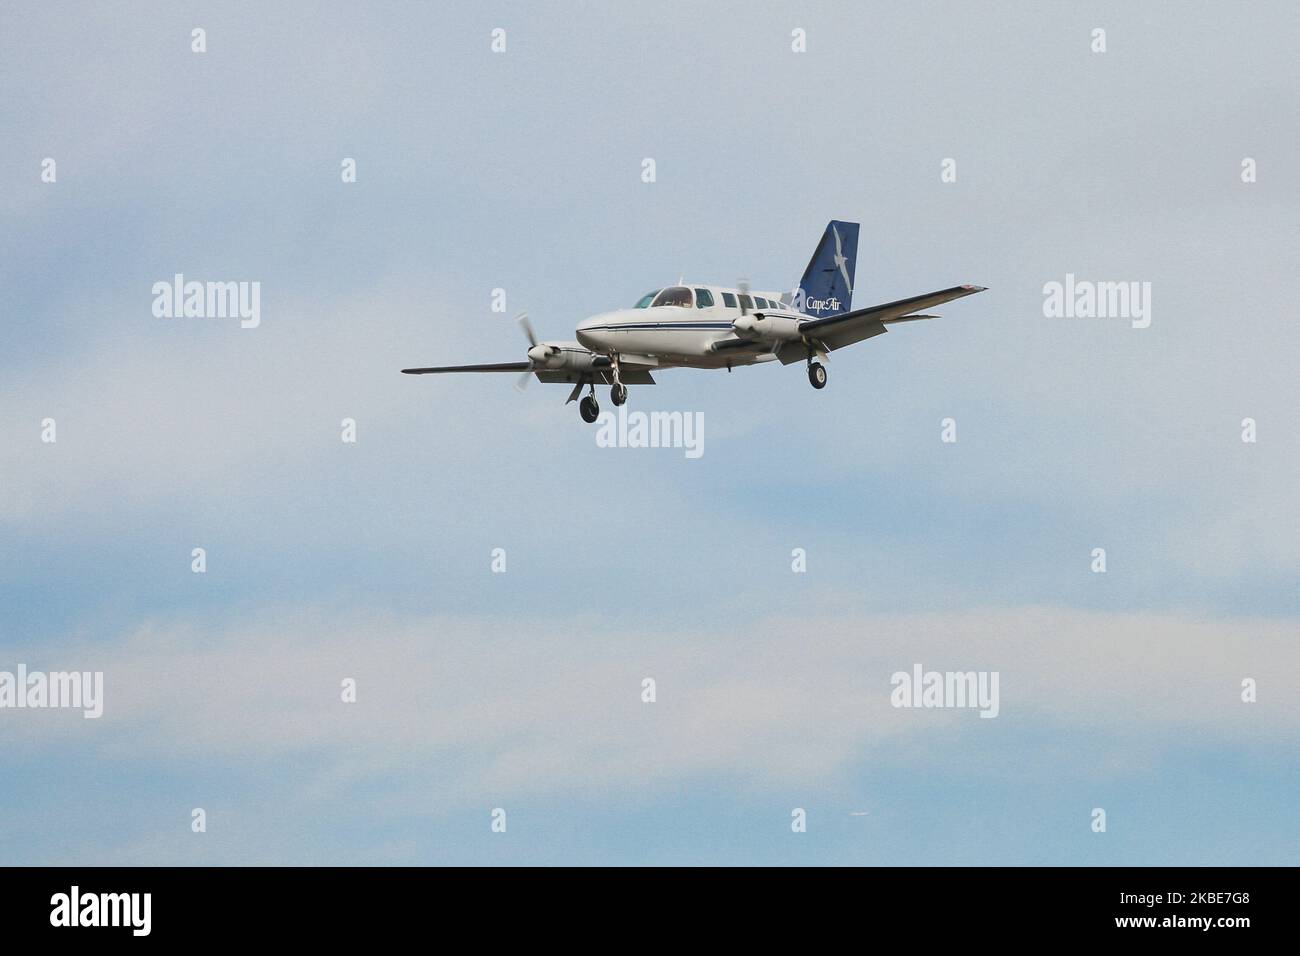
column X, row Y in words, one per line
column 827, row 284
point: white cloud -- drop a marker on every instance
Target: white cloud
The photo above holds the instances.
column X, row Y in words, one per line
column 488, row 706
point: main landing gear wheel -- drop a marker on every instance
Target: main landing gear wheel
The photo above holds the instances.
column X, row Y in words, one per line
column 589, row 409
column 618, row 393
column 817, row 374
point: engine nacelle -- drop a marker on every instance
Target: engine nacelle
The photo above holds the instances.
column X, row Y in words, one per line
column 583, row 361
column 775, row 328
column 552, row 357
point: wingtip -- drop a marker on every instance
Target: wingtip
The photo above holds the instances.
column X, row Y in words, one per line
column 976, row 288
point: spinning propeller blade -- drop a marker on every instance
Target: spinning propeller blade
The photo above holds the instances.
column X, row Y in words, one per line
column 522, row 319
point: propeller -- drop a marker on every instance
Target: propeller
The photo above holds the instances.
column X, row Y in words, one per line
column 743, row 286
column 522, row 319
column 538, row 352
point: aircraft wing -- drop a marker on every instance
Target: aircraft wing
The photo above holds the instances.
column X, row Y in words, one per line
column 498, row 367
column 631, row 374
column 837, row 331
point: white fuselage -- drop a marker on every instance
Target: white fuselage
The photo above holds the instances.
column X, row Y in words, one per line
column 684, row 335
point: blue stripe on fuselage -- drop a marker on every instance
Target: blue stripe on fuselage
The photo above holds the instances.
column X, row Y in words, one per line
column 623, row 327
column 658, row 325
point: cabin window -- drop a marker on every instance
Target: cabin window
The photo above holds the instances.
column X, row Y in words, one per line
column 746, row 302
column 677, row 295
column 645, row 300
column 728, row 300
column 703, row 298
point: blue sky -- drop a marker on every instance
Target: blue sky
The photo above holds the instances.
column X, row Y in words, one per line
column 521, row 690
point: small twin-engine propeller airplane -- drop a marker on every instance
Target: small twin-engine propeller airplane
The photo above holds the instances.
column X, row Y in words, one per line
column 699, row 326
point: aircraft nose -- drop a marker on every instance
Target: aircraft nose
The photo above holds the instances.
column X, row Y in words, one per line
column 593, row 332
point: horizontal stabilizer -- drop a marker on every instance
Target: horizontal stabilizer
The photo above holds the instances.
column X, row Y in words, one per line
column 837, row 331
column 908, row 318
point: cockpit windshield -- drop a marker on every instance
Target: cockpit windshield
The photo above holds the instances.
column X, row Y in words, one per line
column 677, row 295
column 645, row 300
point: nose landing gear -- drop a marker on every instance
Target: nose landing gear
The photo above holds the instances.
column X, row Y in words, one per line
column 617, row 391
